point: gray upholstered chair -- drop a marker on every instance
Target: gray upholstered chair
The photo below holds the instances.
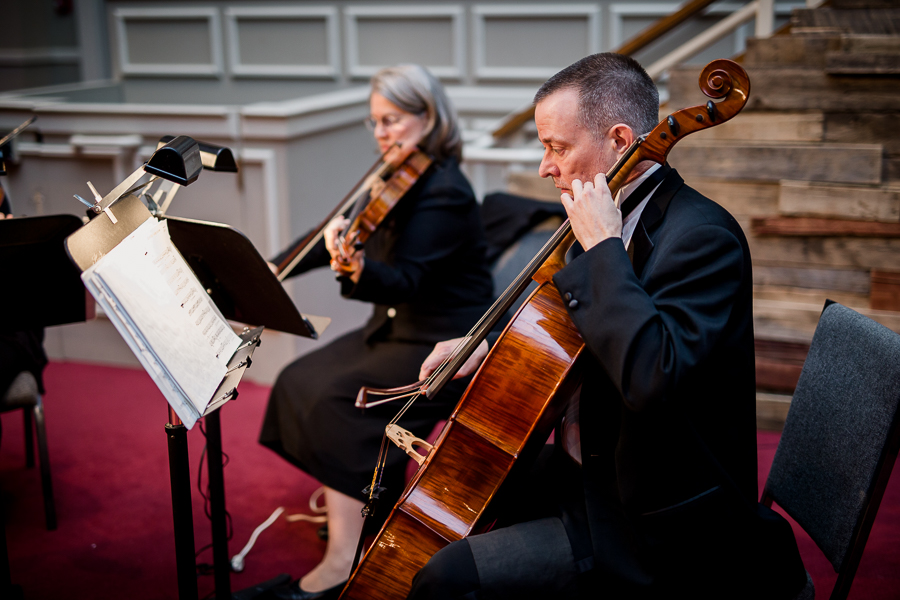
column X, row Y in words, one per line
column 23, row 393
column 841, row 437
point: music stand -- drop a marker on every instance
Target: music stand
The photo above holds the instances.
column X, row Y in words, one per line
column 226, row 263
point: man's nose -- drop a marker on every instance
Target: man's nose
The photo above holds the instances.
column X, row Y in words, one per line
column 547, row 169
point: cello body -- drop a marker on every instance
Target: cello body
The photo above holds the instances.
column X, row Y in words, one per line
column 520, row 390
column 480, row 446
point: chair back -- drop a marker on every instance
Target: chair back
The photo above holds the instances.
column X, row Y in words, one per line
column 841, row 436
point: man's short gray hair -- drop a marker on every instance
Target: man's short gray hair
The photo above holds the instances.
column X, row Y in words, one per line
column 414, row 90
column 612, row 89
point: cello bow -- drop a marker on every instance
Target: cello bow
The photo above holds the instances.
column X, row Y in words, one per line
column 535, row 362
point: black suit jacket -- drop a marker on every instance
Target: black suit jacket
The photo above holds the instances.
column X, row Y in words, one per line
column 670, row 360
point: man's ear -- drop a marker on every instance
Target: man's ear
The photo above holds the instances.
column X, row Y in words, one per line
column 621, row 136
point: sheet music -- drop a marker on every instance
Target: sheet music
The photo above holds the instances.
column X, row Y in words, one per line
column 168, row 320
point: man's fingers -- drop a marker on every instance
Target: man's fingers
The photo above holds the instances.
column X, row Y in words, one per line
column 577, row 186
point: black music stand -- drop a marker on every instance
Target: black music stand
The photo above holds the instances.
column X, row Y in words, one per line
column 44, row 290
column 86, row 246
column 244, row 289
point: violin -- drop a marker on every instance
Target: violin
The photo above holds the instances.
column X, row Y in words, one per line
column 370, row 201
column 489, row 438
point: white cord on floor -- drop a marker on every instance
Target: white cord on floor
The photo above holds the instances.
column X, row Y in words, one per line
column 237, row 561
column 314, row 507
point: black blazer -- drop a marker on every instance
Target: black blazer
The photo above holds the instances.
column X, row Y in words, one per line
column 425, row 270
column 670, row 352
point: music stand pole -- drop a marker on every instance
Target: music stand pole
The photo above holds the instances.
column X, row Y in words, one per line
column 218, row 517
column 182, row 514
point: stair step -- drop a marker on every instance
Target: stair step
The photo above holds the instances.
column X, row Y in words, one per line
column 885, row 294
column 795, row 89
column 865, row 55
column 841, row 63
column 835, row 163
column 791, row 50
column 817, row 227
column 807, row 199
column 867, row 43
column 778, row 364
column 740, row 198
column 799, row 295
column 764, row 127
column 868, row 127
column 849, row 4
column 851, row 281
column 856, row 20
column 771, row 410
column 796, row 322
column 825, row 252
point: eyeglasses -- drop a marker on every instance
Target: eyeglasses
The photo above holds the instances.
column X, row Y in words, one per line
column 387, row 121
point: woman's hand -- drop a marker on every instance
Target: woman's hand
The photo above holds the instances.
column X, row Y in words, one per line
column 442, row 350
column 350, row 266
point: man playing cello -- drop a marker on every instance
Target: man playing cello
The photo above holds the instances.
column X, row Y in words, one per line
column 650, row 489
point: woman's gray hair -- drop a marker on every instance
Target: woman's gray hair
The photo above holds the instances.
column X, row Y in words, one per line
column 414, row 90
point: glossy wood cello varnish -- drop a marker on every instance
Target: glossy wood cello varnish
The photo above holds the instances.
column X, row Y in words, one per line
column 520, row 389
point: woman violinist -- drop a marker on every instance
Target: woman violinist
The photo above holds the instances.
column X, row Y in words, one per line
column 424, row 270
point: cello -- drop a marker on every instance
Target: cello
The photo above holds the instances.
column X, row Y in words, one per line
column 488, row 438
column 370, row 201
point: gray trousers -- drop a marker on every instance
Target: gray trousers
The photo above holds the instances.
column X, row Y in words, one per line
column 526, row 560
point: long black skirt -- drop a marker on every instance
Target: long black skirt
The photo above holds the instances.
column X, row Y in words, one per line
column 312, row 422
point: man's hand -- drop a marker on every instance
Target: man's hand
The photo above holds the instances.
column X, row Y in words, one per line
column 351, row 266
column 592, row 212
column 442, row 350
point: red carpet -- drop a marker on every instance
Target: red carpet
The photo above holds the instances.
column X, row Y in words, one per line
column 110, row 474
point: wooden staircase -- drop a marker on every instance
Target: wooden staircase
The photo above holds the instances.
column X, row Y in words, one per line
column 811, row 169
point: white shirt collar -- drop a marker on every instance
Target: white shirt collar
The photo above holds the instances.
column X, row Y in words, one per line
column 629, row 224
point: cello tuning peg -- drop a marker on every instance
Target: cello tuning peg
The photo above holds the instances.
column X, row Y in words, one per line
column 673, row 125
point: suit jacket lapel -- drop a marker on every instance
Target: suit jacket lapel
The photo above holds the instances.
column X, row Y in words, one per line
column 641, row 244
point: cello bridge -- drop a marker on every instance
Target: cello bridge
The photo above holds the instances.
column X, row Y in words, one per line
column 407, row 442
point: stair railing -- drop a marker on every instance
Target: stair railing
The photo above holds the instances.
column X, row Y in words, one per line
column 485, row 151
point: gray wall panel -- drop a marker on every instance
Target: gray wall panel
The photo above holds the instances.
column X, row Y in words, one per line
column 428, row 41
column 535, row 41
column 283, row 41
column 168, row 41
